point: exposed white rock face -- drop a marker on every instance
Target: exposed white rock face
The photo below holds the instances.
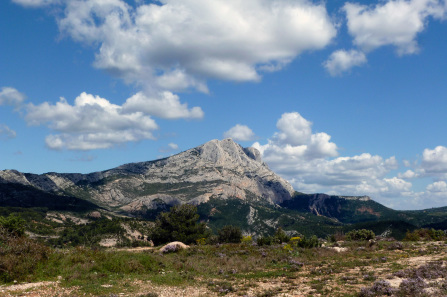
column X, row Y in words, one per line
column 13, row 176
column 219, row 169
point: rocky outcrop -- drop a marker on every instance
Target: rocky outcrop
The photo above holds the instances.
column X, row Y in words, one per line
column 216, row 169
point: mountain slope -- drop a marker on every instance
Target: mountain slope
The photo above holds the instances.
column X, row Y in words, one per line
column 216, row 169
column 230, row 185
column 346, row 209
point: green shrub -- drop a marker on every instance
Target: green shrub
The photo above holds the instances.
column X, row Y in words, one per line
column 13, row 225
column 92, row 233
column 359, row 235
column 425, row 235
column 308, row 242
column 20, row 256
column 264, row 240
column 212, row 239
column 281, row 236
column 230, row 234
column 179, row 224
column 337, row 236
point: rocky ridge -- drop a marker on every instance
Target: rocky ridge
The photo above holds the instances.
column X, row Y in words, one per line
column 216, row 169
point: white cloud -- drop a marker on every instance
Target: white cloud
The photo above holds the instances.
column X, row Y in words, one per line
column 363, row 174
column 179, row 44
column 397, row 186
column 439, row 187
column 164, row 105
column 309, row 161
column 35, row 3
column 240, row 133
column 173, row 146
column 91, row 123
column 434, row 161
column 175, row 45
column 409, row 174
column 394, row 22
column 341, row 61
column 6, row 132
column 295, row 141
column 294, row 129
column 10, row 96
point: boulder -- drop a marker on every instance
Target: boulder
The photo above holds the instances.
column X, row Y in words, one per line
column 173, row 247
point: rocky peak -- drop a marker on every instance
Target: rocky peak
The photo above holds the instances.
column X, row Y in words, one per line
column 228, row 153
column 218, row 168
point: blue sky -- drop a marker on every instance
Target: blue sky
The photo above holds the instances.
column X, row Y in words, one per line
column 341, row 97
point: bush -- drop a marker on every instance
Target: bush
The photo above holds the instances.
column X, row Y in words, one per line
column 247, row 239
column 281, row 236
column 230, row 234
column 308, row 243
column 412, row 287
column 379, row 288
column 426, row 235
column 337, row 236
column 264, row 240
column 179, row 224
column 13, row 225
column 92, row 233
column 20, row 256
column 359, row 235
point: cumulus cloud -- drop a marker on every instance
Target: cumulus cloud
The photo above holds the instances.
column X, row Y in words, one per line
column 397, row 186
column 341, row 61
column 10, row 96
column 6, row 132
column 164, row 105
column 294, row 129
column 394, row 22
column 434, row 161
column 439, row 187
column 175, row 45
column 240, row 133
column 409, row 174
column 91, row 123
column 180, row 44
column 311, row 163
column 295, row 140
column 313, row 166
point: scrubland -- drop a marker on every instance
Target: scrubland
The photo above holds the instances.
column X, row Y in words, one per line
column 379, row 267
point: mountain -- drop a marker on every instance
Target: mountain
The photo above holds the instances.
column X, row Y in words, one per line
column 229, row 184
column 346, row 209
column 216, row 169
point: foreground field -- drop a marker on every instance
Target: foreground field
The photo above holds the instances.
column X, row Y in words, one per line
column 342, row 269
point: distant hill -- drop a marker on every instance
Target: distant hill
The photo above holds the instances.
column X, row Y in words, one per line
column 24, row 196
column 346, row 209
column 230, row 185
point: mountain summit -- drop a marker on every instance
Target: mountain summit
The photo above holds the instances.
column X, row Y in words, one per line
column 216, row 169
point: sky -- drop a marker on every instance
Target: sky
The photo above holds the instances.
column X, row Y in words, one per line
column 340, row 97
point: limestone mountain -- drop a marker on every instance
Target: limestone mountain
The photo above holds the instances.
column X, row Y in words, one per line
column 216, row 169
column 231, row 186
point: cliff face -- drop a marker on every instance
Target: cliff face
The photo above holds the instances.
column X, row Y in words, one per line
column 216, row 169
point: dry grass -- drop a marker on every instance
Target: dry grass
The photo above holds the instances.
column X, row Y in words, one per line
column 247, row 270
